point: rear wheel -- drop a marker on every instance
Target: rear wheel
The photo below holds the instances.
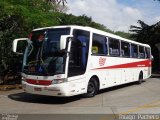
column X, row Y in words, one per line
column 140, row 80
column 92, row 88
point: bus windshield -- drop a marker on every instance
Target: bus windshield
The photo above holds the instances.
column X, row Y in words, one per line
column 43, row 56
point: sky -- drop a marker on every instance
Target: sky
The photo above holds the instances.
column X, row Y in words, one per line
column 117, row 15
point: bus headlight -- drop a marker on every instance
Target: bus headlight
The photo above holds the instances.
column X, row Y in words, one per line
column 57, row 81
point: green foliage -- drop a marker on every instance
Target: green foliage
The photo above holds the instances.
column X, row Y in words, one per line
column 145, row 33
column 19, row 17
column 83, row 20
column 148, row 35
column 124, row 35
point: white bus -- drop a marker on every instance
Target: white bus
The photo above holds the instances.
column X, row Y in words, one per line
column 72, row 60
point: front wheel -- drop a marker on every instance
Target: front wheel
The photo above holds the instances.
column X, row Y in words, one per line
column 92, row 88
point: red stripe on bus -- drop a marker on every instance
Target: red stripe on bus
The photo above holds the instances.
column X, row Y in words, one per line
column 145, row 63
column 39, row 82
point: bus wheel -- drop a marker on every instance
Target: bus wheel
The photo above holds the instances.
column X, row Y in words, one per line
column 92, row 88
column 140, row 80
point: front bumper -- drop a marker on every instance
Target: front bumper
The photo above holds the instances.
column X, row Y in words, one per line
column 51, row 90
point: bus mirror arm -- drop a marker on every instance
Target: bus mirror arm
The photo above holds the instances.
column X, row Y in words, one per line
column 64, row 40
column 15, row 44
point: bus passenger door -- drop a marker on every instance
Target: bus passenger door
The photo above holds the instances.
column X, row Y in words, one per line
column 78, row 58
column 79, row 53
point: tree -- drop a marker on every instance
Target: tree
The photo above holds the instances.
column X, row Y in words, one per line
column 145, row 33
column 148, row 34
column 58, row 5
column 57, row 2
column 124, row 35
column 18, row 18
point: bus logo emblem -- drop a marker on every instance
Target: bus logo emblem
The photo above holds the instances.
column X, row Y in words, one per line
column 102, row 61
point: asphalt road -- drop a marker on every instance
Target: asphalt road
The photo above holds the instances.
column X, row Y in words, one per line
column 125, row 99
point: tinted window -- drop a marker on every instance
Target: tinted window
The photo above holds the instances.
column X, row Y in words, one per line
column 79, row 53
column 125, row 49
column 99, row 45
column 114, row 47
column 43, row 56
column 53, row 42
column 134, row 51
column 141, row 52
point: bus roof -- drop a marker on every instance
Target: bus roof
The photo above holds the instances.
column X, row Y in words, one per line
column 93, row 30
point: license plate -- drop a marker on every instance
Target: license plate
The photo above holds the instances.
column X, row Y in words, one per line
column 37, row 89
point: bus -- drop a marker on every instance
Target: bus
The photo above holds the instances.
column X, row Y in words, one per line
column 72, row 60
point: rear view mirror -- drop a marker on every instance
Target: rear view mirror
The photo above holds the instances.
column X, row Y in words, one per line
column 19, row 45
column 152, row 58
column 63, row 41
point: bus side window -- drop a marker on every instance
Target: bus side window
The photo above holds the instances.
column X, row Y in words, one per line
column 99, row 46
column 125, row 49
column 141, row 52
column 147, row 53
column 114, row 47
column 134, row 51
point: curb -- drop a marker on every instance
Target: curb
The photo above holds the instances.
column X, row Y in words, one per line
column 155, row 75
column 10, row 87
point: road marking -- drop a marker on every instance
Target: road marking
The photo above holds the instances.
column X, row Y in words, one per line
column 108, row 117
column 145, row 106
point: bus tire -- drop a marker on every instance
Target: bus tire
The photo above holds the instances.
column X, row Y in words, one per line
column 92, row 88
column 140, row 79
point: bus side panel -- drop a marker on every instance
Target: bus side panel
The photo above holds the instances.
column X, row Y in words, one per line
column 93, row 70
column 77, row 85
column 115, row 76
column 100, row 66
